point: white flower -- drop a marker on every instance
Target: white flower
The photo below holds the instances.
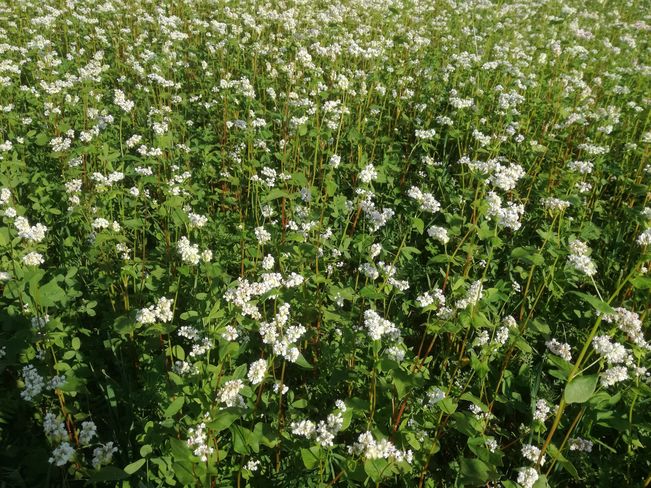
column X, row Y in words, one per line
column 475, row 292
column 369, row 448
column 532, row 453
column 229, row 394
column 527, row 477
column 257, row 371
column 88, row 431
column 439, row 233
column 368, row 174
column 62, row 454
column 34, row 233
column 581, row 445
column 377, row 326
column 230, row 333
column 614, row 375
column 189, row 252
column 53, row 428
column 121, row 101
column 34, row 383
column 560, row 349
column 435, row 395
column 644, row 239
column 262, row 235
column 103, row 454
column 542, row 410
column 253, row 465
column 268, row 262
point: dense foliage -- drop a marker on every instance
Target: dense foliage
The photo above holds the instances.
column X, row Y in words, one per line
column 304, row 243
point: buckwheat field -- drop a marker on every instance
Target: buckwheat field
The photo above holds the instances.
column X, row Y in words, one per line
column 299, row 243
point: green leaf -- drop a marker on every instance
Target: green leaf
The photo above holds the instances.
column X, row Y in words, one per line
column 174, row 407
column 597, row 304
column 183, row 472
column 580, row 389
column 302, row 362
column 529, row 255
column 180, row 449
column 376, row 468
column 562, row 460
column 311, row 456
column 418, row 224
column 274, row 194
column 135, row 466
column 225, row 418
column 641, row 282
column 107, row 473
column 51, row 293
column 475, row 471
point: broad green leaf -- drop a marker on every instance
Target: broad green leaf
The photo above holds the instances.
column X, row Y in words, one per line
column 580, row 389
column 174, row 407
column 135, row 466
column 311, row 456
column 225, row 418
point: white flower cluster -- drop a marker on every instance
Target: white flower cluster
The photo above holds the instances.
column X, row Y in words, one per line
column 542, row 411
column 282, row 340
column 121, row 101
column 229, row 394
column 33, row 259
column 612, row 352
column 257, row 370
column 183, row 368
column 34, row 233
column 107, row 181
column 53, row 428
column 614, row 375
column 34, row 383
column 425, row 133
column 508, row 216
column 579, row 258
column 581, row 445
column 368, row 174
column 378, row 327
column 369, row 448
column 200, row 344
column 324, row 433
column 561, row 349
column 527, row 477
column 475, row 292
column 629, row 323
column 436, row 296
column 426, row 200
column 583, row 167
column 555, row 204
column 245, row 291
column 378, row 218
column 644, row 239
column 504, row 177
column 198, row 440
column 439, row 233
column 101, row 223
column 87, row 432
column 435, row 395
column 103, row 454
column 262, row 235
column 5, row 195
column 161, row 312
column 190, row 252
column 62, row 454
column 532, row 453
